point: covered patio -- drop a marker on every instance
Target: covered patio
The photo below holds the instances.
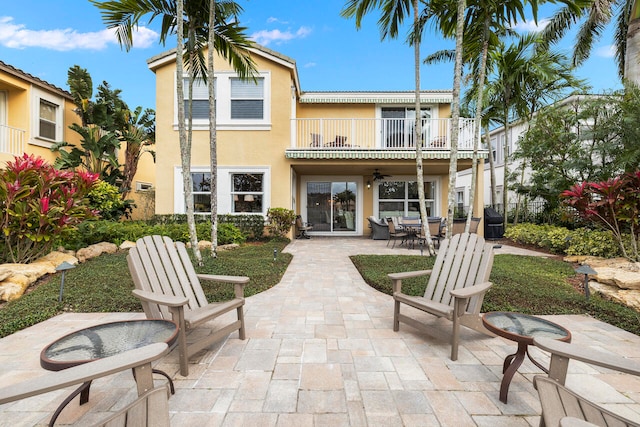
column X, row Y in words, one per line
column 320, row 350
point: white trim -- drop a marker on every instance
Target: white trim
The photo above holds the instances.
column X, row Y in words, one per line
column 224, row 187
column 409, row 178
column 36, row 96
column 223, row 106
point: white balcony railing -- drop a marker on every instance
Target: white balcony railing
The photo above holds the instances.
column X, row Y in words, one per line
column 378, row 134
column 11, row 140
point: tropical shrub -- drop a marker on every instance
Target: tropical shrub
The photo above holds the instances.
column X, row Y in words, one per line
column 39, row 203
column 612, row 205
column 280, row 221
column 560, row 240
column 91, row 232
column 106, row 199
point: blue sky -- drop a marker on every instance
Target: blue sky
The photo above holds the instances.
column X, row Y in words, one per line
column 45, row 38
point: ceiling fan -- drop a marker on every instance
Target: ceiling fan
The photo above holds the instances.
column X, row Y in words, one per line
column 377, row 176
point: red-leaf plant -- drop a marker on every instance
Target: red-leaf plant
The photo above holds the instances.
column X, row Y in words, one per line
column 38, row 203
column 613, row 204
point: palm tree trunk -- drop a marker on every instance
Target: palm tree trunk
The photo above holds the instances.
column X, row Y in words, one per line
column 631, row 63
column 185, row 146
column 455, row 116
column 417, row 137
column 479, row 107
column 213, row 135
column 492, row 168
column 505, row 169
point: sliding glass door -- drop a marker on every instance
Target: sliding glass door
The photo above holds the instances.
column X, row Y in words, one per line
column 332, row 205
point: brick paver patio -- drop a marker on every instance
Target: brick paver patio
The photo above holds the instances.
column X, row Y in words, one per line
column 320, row 351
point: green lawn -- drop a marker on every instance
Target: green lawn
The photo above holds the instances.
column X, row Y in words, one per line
column 532, row 285
column 103, row 284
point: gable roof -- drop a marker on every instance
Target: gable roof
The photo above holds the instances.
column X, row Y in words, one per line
column 16, row 72
column 170, row 56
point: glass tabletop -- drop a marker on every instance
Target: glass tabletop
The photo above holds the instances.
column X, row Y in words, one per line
column 106, row 340
column 524, row 325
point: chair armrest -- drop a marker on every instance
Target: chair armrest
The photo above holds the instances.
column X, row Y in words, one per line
column 562, row 351
column 237, row 281
column 83, row 373
column 471, row 291
column 167, row 300
column 397, row 278
column 241, row 280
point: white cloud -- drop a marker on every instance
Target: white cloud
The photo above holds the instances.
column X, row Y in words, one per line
column 310, row 65
column 530, row 26
column 272, row 19
column 265, row 37
column 608, row 51
column 17, row 36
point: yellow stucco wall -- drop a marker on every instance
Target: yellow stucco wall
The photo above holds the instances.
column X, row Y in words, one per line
column 20, row 94
column 259, row 148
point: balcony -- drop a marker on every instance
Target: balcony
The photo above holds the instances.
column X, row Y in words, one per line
column 353, row 137
column 11, row 140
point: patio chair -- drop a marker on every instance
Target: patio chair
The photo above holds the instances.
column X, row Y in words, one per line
column 303, row 227
column 457, row 284
column 460, row 223
column 151, row 408
column 561, row 406
column 435, row 230
column 169, row 288
column 395, row 234
column 379, row 230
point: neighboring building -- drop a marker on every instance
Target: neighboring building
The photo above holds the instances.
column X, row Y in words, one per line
column 516, row 129
column 314, row 152
column 33, row 115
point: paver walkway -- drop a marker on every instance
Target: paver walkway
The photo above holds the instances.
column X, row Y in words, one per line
column 320, row 351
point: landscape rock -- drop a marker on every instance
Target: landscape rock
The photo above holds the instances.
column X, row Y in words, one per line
column 126, row 245
column 16, row 278
column 96, row 250
column 630, row 298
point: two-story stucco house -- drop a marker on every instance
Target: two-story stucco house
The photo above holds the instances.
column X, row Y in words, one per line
column 33, row 115
column 318, row 153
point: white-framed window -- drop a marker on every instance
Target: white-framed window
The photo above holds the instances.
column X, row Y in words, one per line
column 240, row 104
column 247, row 192
column 239, row 189
column 200, row 99
column 247, row 99
column 400, row 198
column 143, row 186
column 201, row 189
column 47, row 118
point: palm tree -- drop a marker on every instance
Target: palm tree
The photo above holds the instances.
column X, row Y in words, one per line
column 393, row 14
column 522, row 74
column 485, row 23
column 228, row 40
column 595, row 15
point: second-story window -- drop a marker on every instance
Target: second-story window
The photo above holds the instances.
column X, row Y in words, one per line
column 48, row 114
column 247, row 99
column 240, row 104
column 200, row 99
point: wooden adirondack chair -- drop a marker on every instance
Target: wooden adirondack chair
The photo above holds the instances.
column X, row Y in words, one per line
column 169, row 288
column 561, row 406
column 457, row 284
column 151, row 408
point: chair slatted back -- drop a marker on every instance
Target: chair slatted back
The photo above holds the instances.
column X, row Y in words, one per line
column 434, row 226
column 159, row 265
column 462, row 261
